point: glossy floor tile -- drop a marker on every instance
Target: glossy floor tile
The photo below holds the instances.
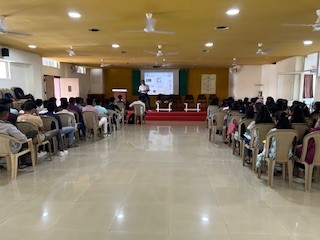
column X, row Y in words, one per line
column 160, row 181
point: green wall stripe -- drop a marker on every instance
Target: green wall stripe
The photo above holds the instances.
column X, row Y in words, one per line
column 183, row 82
column 135, row 81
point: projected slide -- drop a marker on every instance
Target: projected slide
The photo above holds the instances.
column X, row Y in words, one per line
column 159, row 82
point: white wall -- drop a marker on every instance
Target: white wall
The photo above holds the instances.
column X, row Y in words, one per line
column 269, row 80
column 96, row 81
column 67, row 71
column 26, row 72
column 253, row 78
column 247, row 82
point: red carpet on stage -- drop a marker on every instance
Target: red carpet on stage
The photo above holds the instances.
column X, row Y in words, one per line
column 176, row 116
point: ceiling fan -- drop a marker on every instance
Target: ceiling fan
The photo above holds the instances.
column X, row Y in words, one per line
column 260, row 51
column 159, row 53
column 4, row 29
column 71, row 51
column 149, row 28
column 103, row 64
column 315, row 26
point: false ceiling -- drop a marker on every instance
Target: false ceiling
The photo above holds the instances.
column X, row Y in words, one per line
column 193, row 24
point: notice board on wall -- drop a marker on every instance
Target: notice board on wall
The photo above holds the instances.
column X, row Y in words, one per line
column 208, row 83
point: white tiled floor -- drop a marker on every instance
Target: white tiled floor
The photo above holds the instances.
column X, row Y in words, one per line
column 159, row 181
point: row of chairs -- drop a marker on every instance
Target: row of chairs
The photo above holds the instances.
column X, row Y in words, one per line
column 114, row 122
column 284, row 138
column 16, row 94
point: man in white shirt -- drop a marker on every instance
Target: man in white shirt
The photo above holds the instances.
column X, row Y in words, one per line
column 102, row 121
column 143, row 90
column 139, row 102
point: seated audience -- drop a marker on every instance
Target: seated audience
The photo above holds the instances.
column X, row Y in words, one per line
column 9, row 129
column 69, row 130
column 13, row 113
column 263, row 116
column 310, row 148
column 102, row 121
column 31, row 115
column 297, row 115
column 80, row 125
column 282, row 122
column 139, row 101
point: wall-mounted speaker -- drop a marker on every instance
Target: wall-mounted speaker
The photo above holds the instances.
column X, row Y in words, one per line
column 5, row 52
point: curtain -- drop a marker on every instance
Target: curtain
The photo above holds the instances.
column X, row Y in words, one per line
column 308, row 86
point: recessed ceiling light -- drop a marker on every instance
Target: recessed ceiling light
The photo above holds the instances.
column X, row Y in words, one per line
column 94, row 29
column 307, row 42
column 115, row 45
column 74, row 14
column 209, row 44
column 32, row 46
column 233, row 11
column 221, row 28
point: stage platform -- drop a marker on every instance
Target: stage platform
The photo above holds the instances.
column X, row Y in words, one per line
column 176, row 116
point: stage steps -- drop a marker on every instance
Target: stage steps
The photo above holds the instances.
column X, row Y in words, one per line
column 176, row 116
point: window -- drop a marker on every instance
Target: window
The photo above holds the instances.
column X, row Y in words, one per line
column 4, row 70
column 81, row 70
column 50, row 63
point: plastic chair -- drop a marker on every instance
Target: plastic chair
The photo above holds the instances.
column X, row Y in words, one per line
column 139, row 113
column 216, row 124
column 26, row 127
column 233, row 118
column 258, row 134
column 189, row 99
column 8, row 93
column 12, row 158
column 243, row 123
column 301, row 129
column 284, row 139
column 316, row 159
column 211, row 109
column 113, row 119
column 68, row 120
column 203, row 100
column 91, row 121
column 50, row 123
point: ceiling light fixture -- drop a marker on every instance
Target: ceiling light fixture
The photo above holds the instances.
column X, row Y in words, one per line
column 233, row 11
column 307, row 42
column 221, row 28
column 115, row 45
column 32, row 46
column 94, row 29
column 74, row 14
column 209, row 44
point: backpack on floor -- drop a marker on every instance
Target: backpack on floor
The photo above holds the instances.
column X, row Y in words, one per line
column 131, row 119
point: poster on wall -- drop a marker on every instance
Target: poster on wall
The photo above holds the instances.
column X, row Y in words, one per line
column 208, row 83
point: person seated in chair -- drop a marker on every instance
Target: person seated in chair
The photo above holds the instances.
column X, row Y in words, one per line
column 31, row 115
column 69, row 130
column 13, row 113
column 139, row 101
column 11, row 130
column 80, row 125
column 103, row 121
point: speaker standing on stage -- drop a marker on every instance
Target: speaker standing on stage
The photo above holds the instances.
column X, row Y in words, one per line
column 143, row 90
